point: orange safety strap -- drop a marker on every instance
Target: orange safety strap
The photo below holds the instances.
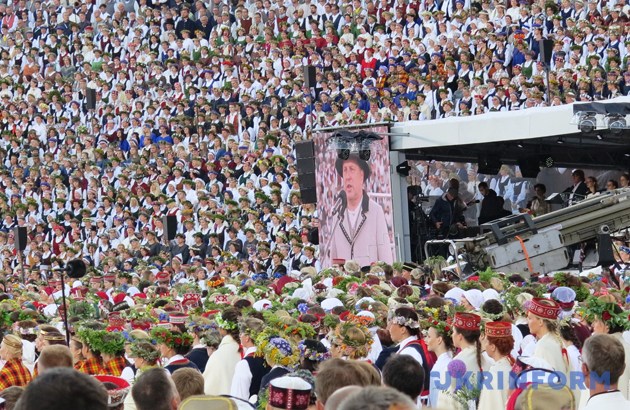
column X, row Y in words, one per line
column 529, row 262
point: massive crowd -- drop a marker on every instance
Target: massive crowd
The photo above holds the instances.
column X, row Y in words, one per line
column 116, row 114
column 318, row 340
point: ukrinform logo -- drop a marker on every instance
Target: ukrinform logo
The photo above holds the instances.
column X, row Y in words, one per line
column 511, row 380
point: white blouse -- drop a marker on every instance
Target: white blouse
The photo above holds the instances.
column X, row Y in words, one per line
column 439, row 369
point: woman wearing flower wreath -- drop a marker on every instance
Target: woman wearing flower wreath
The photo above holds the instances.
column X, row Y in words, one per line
column 93, row 364
column 112, row 349
column 351, row 340
column 493, row 311
column 280, row 355
column 404, row 328
column 145, row 356
column 497, row 343
column 606, row 316
column 249, row 371
column 439, row 341
column 220, row 367
column 199, row 352
column 129, row 372
column 312, row 354
column 173, row 345
column 466, row 335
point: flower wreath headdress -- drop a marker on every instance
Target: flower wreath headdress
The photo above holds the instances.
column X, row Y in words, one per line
column 443, row 327
column 173, row 340
column 103, row 341
column 598, row 309
column 278, row 351
column 146, row 354
column 404, row 321
column 224, row 323
column 492, row 317
column 312, row 354
column 343, row 335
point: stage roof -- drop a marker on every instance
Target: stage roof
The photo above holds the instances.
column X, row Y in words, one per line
column 546, row 135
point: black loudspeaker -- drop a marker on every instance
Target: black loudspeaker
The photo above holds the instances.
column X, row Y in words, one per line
column 308, row 195
column 75, row 268
column 305, row 163
column 307, row 181
column 90, row 96
column 546, row 50
column 313, row 236
column 19, row 236
column 530, row 167
column 304, row 149
column 488, row 164
column 170, row 226
column 309, row 77
column 605, row 250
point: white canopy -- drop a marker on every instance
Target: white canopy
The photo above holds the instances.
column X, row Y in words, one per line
column 488, row 128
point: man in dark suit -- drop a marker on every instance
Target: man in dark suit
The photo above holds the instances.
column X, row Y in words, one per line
column 578, row 190
column 447, row 215
column 205, row 24
column 185, row 23
column 491, row 205
column 179, row 248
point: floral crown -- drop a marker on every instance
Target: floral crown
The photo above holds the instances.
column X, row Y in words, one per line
column 198, row 327
column 137, row 314
column 286, row 327
column 278, row 350
column 366, row 321
column 443, row 327
column 598, row 309
column 102, row 341
column 345, row 332
column 406, row 322
column 312, row 354
column 224, row 323
column 173, row 340
column 492, row 317
column 215, row 283
column 438, row 318
column 138, row 349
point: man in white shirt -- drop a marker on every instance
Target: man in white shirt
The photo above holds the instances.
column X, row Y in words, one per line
column 603, row 363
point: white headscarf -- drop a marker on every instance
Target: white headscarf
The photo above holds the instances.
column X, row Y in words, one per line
column 489, row 294
column 474, row 297
column 454, row 294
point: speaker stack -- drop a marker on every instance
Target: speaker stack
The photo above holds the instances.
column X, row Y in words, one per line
column 309, row 77
column 19, row 236
column 546, row 50
column 90, row 95
column 305, row 162
column 170, row 226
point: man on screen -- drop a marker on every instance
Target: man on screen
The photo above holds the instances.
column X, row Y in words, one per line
column 360, row 230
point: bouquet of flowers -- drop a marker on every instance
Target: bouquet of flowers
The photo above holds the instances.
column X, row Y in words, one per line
column 467, row 390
